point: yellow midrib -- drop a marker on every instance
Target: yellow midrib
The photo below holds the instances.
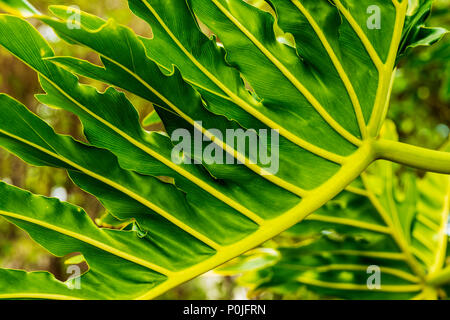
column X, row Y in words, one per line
column 358, row 163
column 285, row 71
column 372, row 254
column 353, row 267
column 385, row 70
column 349, row 222
column 356, row 287
column 382, row 101
column 90, row 241
column 357, row 191
column 339, row 68
column 243, row 104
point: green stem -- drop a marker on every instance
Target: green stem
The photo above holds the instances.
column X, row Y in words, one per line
column 440, row 278
column 416, row 157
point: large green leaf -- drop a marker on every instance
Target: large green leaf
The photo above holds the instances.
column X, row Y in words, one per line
column 328, row 101
column 21, row 7
column 350, row 73
column 397, row 225
column 120, row 262
column 415, row 32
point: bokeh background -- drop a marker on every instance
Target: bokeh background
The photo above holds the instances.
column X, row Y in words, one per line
column 420, row 107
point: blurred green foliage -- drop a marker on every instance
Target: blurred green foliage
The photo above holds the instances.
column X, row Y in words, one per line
column 420, row 107
column 421, row 94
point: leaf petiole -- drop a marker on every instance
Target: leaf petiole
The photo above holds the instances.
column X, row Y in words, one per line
column 412, row 156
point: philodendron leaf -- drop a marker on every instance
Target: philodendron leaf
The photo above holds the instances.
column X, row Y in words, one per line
column 394, row 226
column 20, row 7
column 325, row 91
column 120, row 262
column 346, row 251
column 415, row 32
